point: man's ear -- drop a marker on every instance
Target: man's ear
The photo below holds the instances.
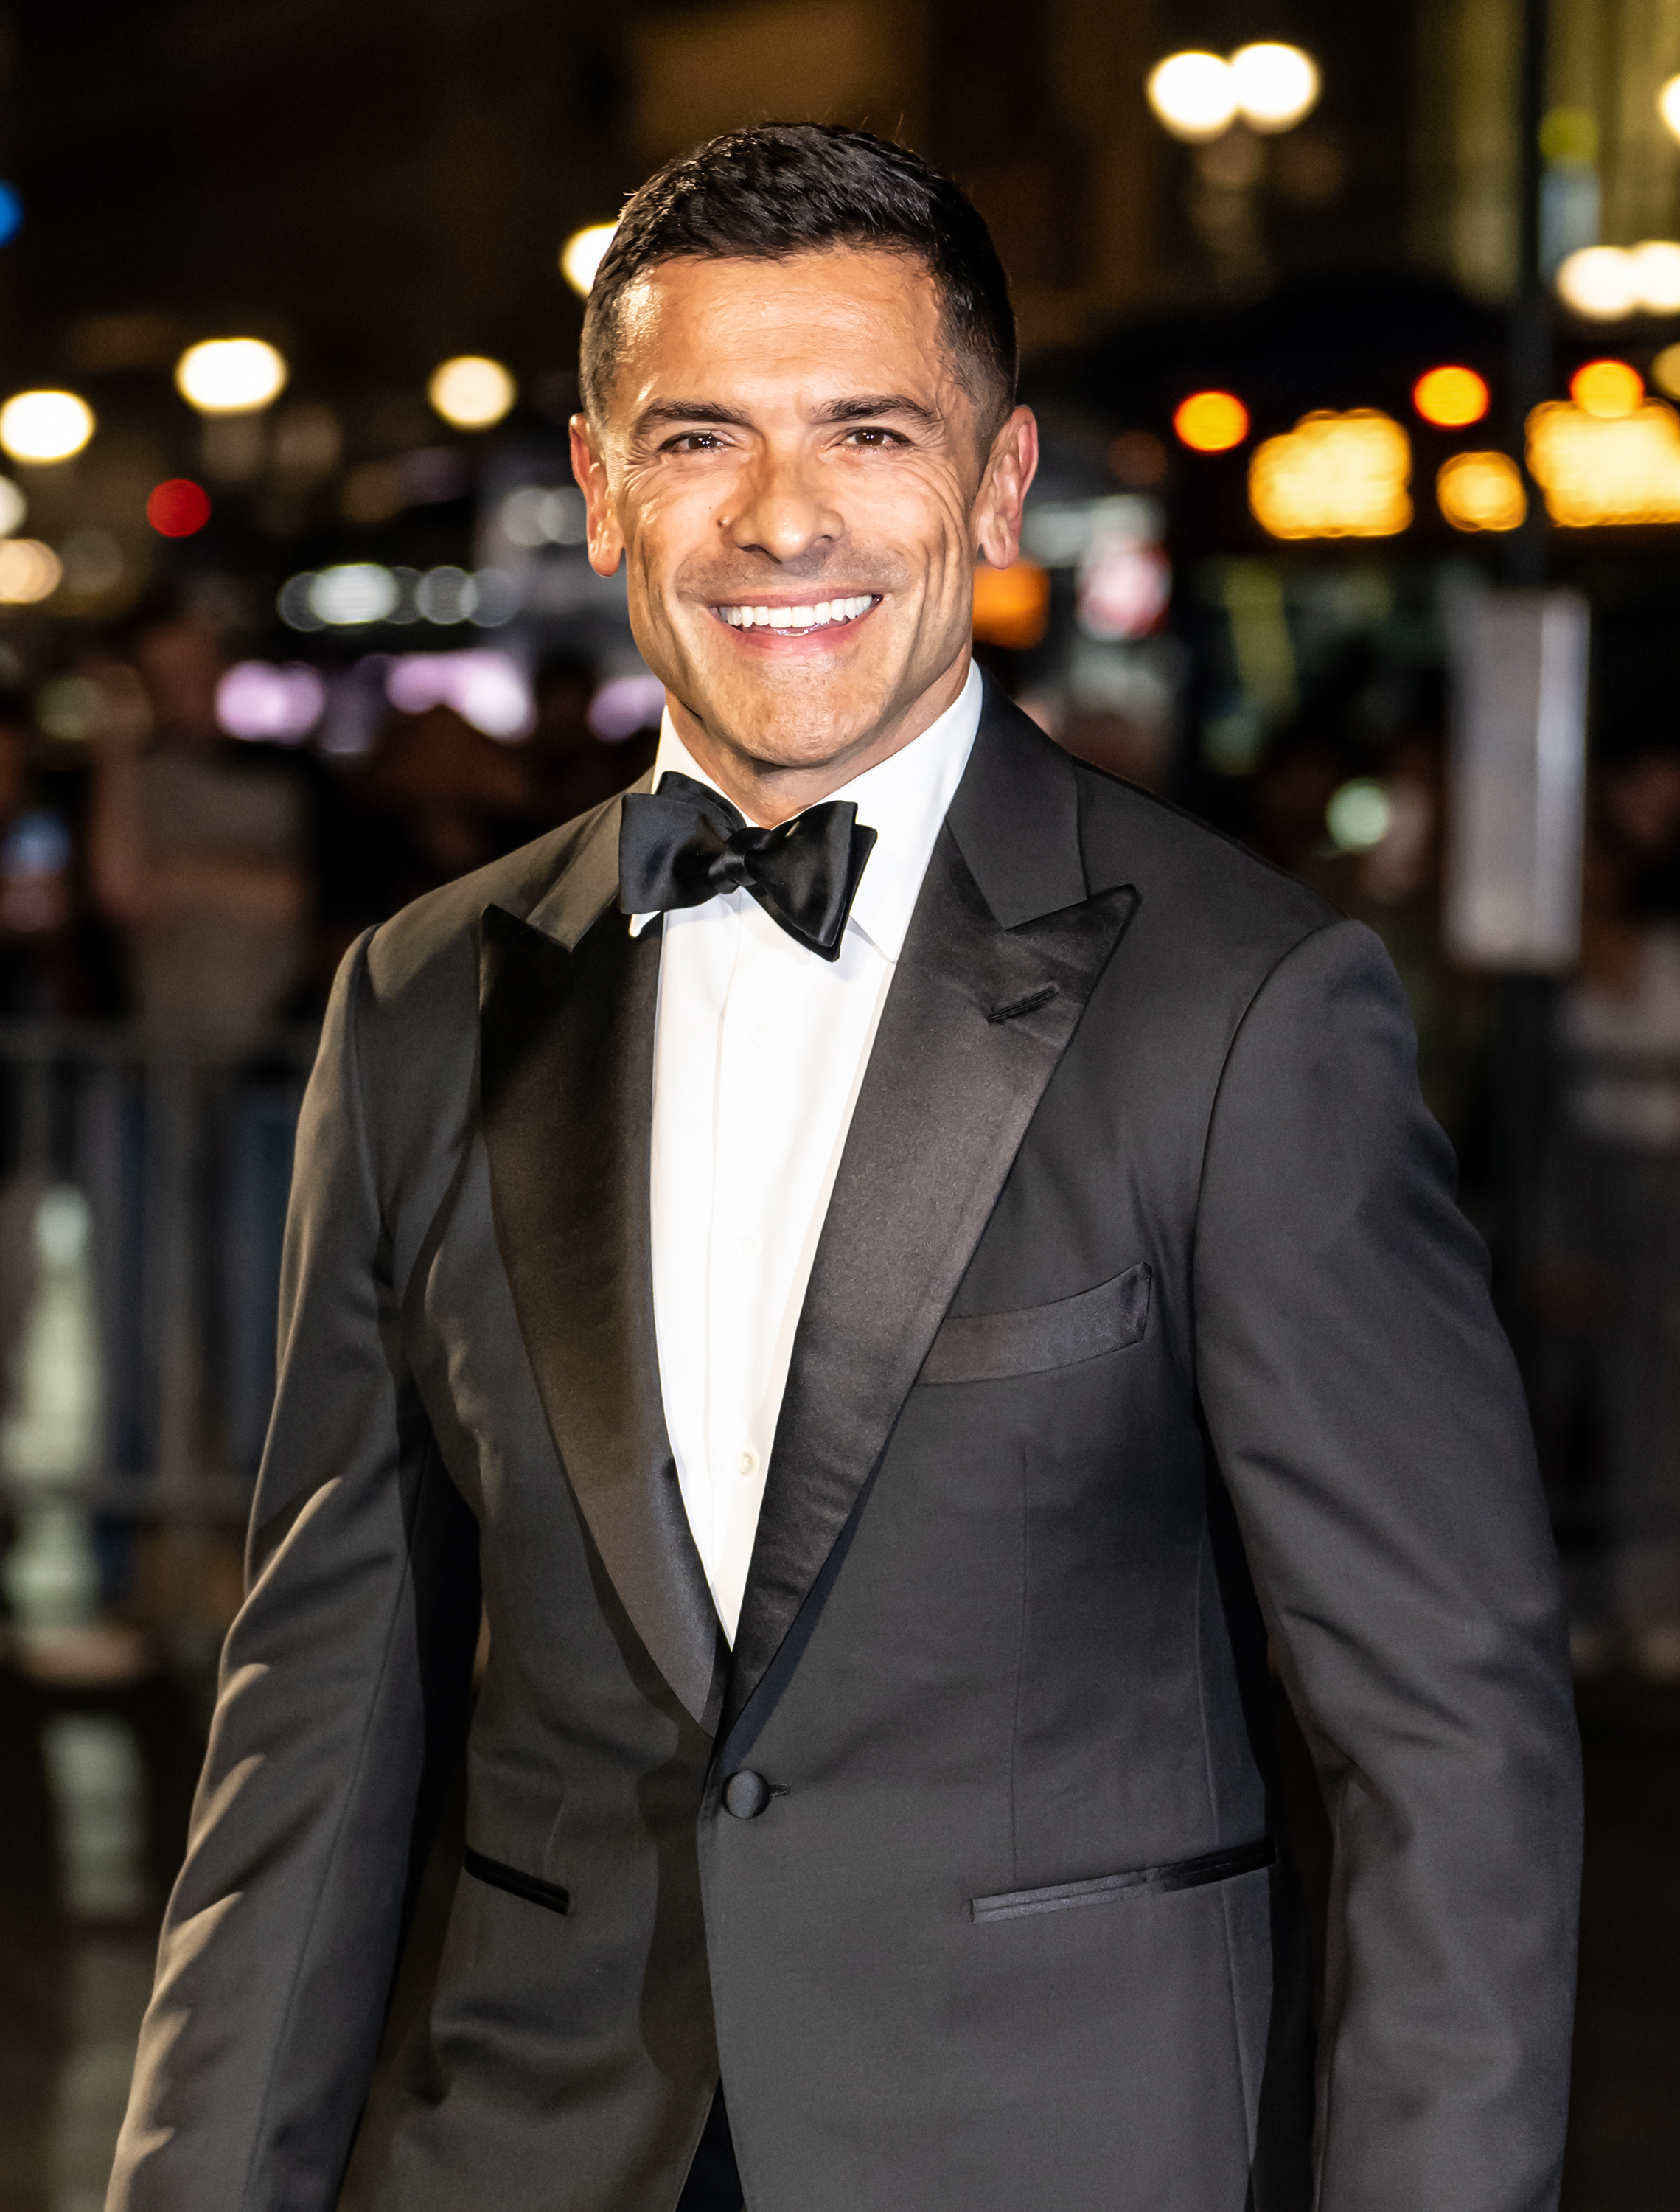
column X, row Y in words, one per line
column 1010, row 466
column 606, row 539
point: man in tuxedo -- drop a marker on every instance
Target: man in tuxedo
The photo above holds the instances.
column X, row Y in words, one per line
column 892, row 1264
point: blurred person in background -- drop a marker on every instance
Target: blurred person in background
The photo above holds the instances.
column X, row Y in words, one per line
column 434, row 799
column 1609, row 1396
column 1394, row 887
column 882, row 1265
column 569, row 768
column 1298, row 775
column 48, row 967
column 200, row 846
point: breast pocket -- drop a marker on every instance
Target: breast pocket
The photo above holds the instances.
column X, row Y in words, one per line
column 984, row 1347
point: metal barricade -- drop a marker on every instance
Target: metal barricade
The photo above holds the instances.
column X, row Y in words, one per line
column 143, row 1181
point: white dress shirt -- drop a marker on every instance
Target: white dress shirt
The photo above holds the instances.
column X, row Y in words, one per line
column 759, row 1054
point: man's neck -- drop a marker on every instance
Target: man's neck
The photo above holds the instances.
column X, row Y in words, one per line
column 769, row 791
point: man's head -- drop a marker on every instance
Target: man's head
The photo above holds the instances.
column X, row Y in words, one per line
column 799, row 373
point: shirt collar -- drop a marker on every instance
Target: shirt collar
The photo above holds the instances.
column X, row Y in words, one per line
column 903, row 799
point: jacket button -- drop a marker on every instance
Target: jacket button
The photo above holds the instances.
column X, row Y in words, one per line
column 746, row 1794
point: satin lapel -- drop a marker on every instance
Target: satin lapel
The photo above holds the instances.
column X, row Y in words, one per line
column 977, row 1017
column 567, row 1012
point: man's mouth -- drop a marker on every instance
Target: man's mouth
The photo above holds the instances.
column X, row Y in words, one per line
column 801, row 621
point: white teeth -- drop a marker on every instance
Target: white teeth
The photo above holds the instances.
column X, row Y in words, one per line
column 798, row 618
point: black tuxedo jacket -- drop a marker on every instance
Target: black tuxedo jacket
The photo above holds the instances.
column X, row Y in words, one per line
column 1143, row 1324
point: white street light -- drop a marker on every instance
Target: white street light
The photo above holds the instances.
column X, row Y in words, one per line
column 230, row 376
column 1276, row 85
column 45, row 426
column 1194, row 94
column 582, row 254
column 471, row 392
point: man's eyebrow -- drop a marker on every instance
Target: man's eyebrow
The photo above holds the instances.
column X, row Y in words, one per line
column 870, row 406
column 866, row 407
column 689, row 410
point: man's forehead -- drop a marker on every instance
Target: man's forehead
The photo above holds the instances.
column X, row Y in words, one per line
column 736, row 305
column 809, row 333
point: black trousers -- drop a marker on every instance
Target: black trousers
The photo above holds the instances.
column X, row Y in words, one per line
column 713, row 2184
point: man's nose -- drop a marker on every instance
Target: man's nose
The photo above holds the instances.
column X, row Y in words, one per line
column 785, row 510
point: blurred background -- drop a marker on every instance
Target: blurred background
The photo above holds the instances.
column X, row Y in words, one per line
column 1354, row 335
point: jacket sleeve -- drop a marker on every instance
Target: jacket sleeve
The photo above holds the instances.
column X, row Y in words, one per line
column 1369, row 1422
column 343, row 1678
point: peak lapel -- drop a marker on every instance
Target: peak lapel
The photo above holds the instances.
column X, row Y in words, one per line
column 566, row 1011
column 1005, row 946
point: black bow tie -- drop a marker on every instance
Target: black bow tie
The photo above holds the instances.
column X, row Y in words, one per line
column 683, row 844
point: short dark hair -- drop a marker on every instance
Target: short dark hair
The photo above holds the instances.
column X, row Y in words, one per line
column 786, row 188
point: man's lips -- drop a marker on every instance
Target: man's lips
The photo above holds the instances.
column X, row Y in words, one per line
column 772, row 621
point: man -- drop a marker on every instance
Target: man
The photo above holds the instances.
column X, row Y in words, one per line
column 897, row 1260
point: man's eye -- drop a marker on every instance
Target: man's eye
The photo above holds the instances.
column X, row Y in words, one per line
column 694, row 441
column 871, row 433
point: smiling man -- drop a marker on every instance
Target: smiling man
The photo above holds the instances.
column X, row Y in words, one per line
column 892, row 1264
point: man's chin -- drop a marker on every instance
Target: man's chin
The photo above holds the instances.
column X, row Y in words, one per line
column 790, row 718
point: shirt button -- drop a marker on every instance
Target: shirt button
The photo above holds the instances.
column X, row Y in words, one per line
column 747, row 1465
column 746, row 1245
column 761, row 1034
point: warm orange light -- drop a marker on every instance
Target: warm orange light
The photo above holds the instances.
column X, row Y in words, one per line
column 1012, row 604
column 1211, row 422
column 1600, row 471
column 1607, row 389
column 1451, row 399
column 1482, row 491
column 1333, row 476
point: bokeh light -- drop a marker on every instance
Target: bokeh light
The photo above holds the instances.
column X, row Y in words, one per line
column 45, row 426
column 230, row 376
column 1275, row 85
column 1358, row 815
column 539, row 514
column 1482, row 491
column 625, row 704
column 1607, row 283
column 1211, row 422
column 11, row 213
column 582, row 255
column 1450, row 398
column 178, row 507
column 1194, row 94
column 1606, row 471
column 29, row 571
column 266, row 702
column 1655, row 265
column 13, row 507
column 357, row 592
column 1333, row 476
column 1598, row 283
column 1607, row 389
column 1668, row 106
column 1665, row 371
column 354, row 593
column 486, row 688
column 471, row 392
column 1012, row 604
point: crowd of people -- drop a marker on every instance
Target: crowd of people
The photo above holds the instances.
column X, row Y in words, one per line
column 155, row 868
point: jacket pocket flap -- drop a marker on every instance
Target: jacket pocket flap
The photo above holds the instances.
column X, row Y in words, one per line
column 984, row 1347
column 1142, row 1882
column 530, row 1887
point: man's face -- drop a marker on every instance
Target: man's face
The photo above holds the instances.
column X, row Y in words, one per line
column 791, row 471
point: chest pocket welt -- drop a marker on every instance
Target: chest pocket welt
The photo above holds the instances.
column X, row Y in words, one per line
column 985, row 1348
